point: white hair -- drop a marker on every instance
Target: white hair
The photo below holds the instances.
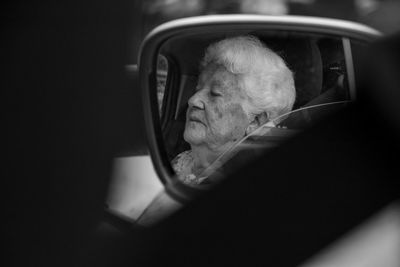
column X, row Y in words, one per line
column 266, row 79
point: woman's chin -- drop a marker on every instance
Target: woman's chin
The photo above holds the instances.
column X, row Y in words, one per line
column 193, row 137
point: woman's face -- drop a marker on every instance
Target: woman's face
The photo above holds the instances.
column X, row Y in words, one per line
column 216, row 115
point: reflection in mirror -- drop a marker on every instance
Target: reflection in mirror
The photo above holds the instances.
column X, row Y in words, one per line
column 246, row 92
column 162, row 74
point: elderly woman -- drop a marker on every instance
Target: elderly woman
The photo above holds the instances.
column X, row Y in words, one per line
column 242, row 85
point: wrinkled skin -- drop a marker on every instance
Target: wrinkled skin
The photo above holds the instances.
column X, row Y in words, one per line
column 217, row 114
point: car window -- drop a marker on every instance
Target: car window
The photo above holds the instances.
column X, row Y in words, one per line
column 162, row 74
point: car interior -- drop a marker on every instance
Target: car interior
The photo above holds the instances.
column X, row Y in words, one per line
column 317, row 61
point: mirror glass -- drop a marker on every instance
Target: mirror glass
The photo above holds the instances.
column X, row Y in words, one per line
column 236, row 95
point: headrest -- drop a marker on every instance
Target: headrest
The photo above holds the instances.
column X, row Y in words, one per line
column 304, row 59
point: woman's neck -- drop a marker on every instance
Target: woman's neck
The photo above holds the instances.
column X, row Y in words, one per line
column 204, row 157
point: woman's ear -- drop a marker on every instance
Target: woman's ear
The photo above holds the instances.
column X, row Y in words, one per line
column 258, row 120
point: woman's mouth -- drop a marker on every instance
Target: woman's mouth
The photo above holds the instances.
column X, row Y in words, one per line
column 195, row 118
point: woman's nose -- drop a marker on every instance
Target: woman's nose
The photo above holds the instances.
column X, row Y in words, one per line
column 196, row 101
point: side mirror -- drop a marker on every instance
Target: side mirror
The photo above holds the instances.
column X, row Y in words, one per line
column 321, row 53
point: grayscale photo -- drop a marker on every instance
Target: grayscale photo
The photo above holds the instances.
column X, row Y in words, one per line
column 201, row 133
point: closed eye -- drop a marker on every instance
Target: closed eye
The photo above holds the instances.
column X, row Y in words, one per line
column 213, row 93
